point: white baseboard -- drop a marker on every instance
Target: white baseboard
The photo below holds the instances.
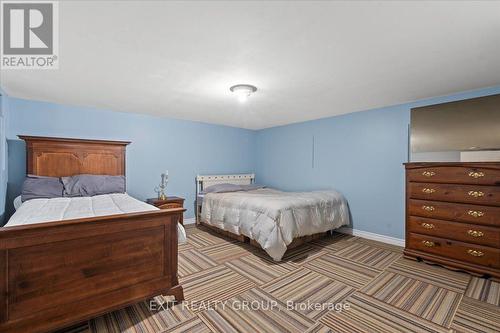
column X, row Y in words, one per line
column 372, row 236
column 190, row 221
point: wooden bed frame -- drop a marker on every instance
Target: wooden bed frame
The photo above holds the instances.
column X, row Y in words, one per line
column 56, row 274
column 203, row 182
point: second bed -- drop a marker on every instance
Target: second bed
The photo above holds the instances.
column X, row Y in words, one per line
column 269, row 218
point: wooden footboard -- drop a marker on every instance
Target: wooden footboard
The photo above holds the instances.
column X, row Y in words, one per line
column 59, row 273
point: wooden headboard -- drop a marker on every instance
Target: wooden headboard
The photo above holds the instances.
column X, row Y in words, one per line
column 61, row 157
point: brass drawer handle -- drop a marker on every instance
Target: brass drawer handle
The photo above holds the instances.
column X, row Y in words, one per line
column 428, row 190
column 475, row 233
column 476, row 175
column 428, row 208
column 475, row 213
column 428, row 243
column 428, row 173
column 428, row 225
column 475, row 253
column 476, row 194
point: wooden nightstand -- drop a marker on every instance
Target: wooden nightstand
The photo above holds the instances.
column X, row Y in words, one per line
column 169, row 203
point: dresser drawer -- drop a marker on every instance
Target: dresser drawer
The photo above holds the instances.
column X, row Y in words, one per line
column 475, row 194
column 484, row 215
column 170, row 205
column 472, row 253
column 455, row 175
column 465, row 232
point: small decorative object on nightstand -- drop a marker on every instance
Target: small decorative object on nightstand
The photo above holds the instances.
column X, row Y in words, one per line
column 160, row 189
column 169, row 203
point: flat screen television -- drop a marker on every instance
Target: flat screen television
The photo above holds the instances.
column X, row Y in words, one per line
column 456, row 130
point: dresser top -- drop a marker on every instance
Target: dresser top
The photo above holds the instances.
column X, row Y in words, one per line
column 411, row 165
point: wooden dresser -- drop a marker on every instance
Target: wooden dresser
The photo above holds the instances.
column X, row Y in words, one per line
column 453, row 215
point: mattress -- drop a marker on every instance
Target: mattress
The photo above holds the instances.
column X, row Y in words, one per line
column 274, row 218
column 59, row 209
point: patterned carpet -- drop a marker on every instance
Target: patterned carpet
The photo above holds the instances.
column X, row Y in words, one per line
column 335, row 284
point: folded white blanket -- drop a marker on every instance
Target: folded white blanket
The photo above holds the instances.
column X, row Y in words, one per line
column 274, row 218
column 58, row 209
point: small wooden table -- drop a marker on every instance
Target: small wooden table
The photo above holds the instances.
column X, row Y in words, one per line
column 169, row 203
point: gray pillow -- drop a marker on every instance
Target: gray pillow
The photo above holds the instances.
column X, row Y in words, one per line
column 221, row 188
column 36, row 187
column 251, row 187
column 90, row 185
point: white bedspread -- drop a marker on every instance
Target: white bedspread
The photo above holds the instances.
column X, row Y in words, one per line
column 58, row 209
column 274, row 218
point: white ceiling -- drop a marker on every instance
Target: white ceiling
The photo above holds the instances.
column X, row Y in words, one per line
column 308, row 59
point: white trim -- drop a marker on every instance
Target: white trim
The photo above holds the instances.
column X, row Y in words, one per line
column 204, row 181
column 225, row 177
column 372, row 236
column 190, row 221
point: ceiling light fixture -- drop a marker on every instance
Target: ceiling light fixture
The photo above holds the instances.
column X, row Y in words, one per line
column 243, row 91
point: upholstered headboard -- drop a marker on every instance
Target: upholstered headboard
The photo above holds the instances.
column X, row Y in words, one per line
column 61, row 157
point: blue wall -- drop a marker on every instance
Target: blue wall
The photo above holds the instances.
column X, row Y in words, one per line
column 185, row 148
column 360, row 154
